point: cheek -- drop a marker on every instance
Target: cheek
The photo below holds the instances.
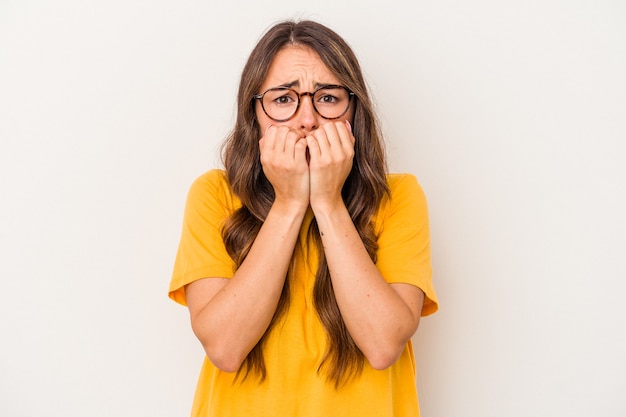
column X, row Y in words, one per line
column 265, row 122
column 349, row 116
column 262, row 119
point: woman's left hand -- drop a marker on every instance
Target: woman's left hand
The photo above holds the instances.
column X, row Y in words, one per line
column 331, row 151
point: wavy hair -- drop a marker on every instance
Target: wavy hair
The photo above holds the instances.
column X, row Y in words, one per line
column 362, row 192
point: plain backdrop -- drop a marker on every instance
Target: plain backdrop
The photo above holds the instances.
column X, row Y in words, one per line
column 512, row 114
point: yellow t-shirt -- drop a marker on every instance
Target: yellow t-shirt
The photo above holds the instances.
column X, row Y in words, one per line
column 297, row 345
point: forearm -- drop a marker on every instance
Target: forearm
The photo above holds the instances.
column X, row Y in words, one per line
column 379, row 320
column 233, row 320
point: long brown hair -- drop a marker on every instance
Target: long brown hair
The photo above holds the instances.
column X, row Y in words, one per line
column 362, row 192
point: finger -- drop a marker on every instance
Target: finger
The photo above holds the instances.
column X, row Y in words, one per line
column 267, row 140
column 300, row 149
column 339, row 135
column 322, row 139
column 291, row 138
column 344, row 129
column 338, row 138
column 313, row 146
column 284, row 140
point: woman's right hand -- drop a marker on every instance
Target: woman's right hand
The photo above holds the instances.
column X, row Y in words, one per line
column 284, row 160
column 230, row 315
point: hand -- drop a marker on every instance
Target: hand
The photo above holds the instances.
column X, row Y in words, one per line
column 284, row 161
column 331, row 149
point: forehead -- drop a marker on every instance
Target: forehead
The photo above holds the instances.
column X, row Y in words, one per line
column 299, row 66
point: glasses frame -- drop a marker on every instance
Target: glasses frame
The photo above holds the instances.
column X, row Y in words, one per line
column 300, row 95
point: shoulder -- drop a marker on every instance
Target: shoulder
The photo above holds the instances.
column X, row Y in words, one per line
column 212, row 182
column 210, row 188
column 215, row 178
column 404, row 186
column 406, row 198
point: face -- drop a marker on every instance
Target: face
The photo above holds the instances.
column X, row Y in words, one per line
column 301, row 69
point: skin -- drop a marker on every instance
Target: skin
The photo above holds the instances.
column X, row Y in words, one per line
column 229, row 316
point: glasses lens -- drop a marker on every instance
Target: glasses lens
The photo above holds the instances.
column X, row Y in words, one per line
column 331, row 102
column 280, row 103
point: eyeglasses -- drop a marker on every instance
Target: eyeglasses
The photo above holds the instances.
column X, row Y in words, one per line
column 282, row 103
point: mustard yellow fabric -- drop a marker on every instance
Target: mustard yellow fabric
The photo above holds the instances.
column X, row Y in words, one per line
column 296, row 346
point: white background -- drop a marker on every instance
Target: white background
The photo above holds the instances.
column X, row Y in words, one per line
column 511, row 114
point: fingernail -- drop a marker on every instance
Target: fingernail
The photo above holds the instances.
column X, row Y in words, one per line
column 349, row 126
column 266, row 129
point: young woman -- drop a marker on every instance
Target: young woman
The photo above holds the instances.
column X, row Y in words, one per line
column 304, row 264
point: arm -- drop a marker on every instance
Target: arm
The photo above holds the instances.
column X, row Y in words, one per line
column 380, row 317
column 229, row 316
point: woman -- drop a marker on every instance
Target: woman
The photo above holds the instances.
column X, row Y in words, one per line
column 304, row 265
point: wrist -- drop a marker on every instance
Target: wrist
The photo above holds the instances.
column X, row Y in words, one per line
column 289, row 207
column 328, row 207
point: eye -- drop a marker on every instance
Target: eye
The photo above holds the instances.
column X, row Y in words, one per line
column 284, row 99
column 331, row 96
column 281, row 97
column 327, row 99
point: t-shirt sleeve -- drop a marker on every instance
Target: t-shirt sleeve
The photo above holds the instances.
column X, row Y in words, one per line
column 404, row 239
column 201, row 251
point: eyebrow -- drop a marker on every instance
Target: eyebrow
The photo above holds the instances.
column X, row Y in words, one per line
column 296, row 83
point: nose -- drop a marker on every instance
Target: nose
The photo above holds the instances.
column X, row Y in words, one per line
column 307, row 117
